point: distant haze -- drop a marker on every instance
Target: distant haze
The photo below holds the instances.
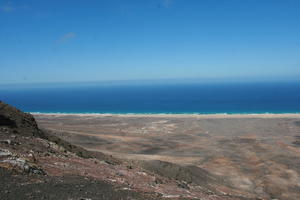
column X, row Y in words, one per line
column 111, row 40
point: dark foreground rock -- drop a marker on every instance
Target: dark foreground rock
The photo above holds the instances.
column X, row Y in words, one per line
column 17, row 122
column 16, row 186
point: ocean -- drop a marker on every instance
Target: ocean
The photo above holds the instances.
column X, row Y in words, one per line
column 203, row 98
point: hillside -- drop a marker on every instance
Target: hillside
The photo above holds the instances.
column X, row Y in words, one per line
column 36, row 164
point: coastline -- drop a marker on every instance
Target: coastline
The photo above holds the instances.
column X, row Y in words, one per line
column 173, row 115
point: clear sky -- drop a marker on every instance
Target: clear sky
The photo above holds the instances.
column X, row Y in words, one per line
column 95, row 40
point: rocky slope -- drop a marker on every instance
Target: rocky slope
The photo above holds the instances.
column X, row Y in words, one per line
column 35, row 164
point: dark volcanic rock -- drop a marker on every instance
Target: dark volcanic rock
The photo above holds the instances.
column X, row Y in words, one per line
column 17, row 122
column 21, row 123
column 14, row 186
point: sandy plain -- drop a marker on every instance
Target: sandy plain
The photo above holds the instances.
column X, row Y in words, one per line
column 257, row 154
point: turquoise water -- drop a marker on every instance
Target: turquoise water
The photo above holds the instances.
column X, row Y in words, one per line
column 172, row 98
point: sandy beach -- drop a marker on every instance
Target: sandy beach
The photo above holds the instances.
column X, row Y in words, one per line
column 203, row 116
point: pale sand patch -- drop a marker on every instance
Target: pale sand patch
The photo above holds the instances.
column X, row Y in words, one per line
column 173, row 159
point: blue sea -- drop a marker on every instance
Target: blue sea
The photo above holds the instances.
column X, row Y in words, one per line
column 204, row 98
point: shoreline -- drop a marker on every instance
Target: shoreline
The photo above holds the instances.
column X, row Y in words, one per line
column 173, row 115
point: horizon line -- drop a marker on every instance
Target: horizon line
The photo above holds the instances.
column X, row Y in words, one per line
column 163, row 80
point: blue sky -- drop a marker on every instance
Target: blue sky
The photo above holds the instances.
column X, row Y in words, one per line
column 96, row 40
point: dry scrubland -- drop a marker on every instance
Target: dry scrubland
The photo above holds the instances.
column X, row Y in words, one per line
column 254, row 156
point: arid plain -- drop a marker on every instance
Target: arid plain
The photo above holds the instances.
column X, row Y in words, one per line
column 254, row 155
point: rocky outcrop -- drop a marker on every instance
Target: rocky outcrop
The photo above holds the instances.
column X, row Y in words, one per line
column 22, row 165
column 17, row 123
column 20, row 123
